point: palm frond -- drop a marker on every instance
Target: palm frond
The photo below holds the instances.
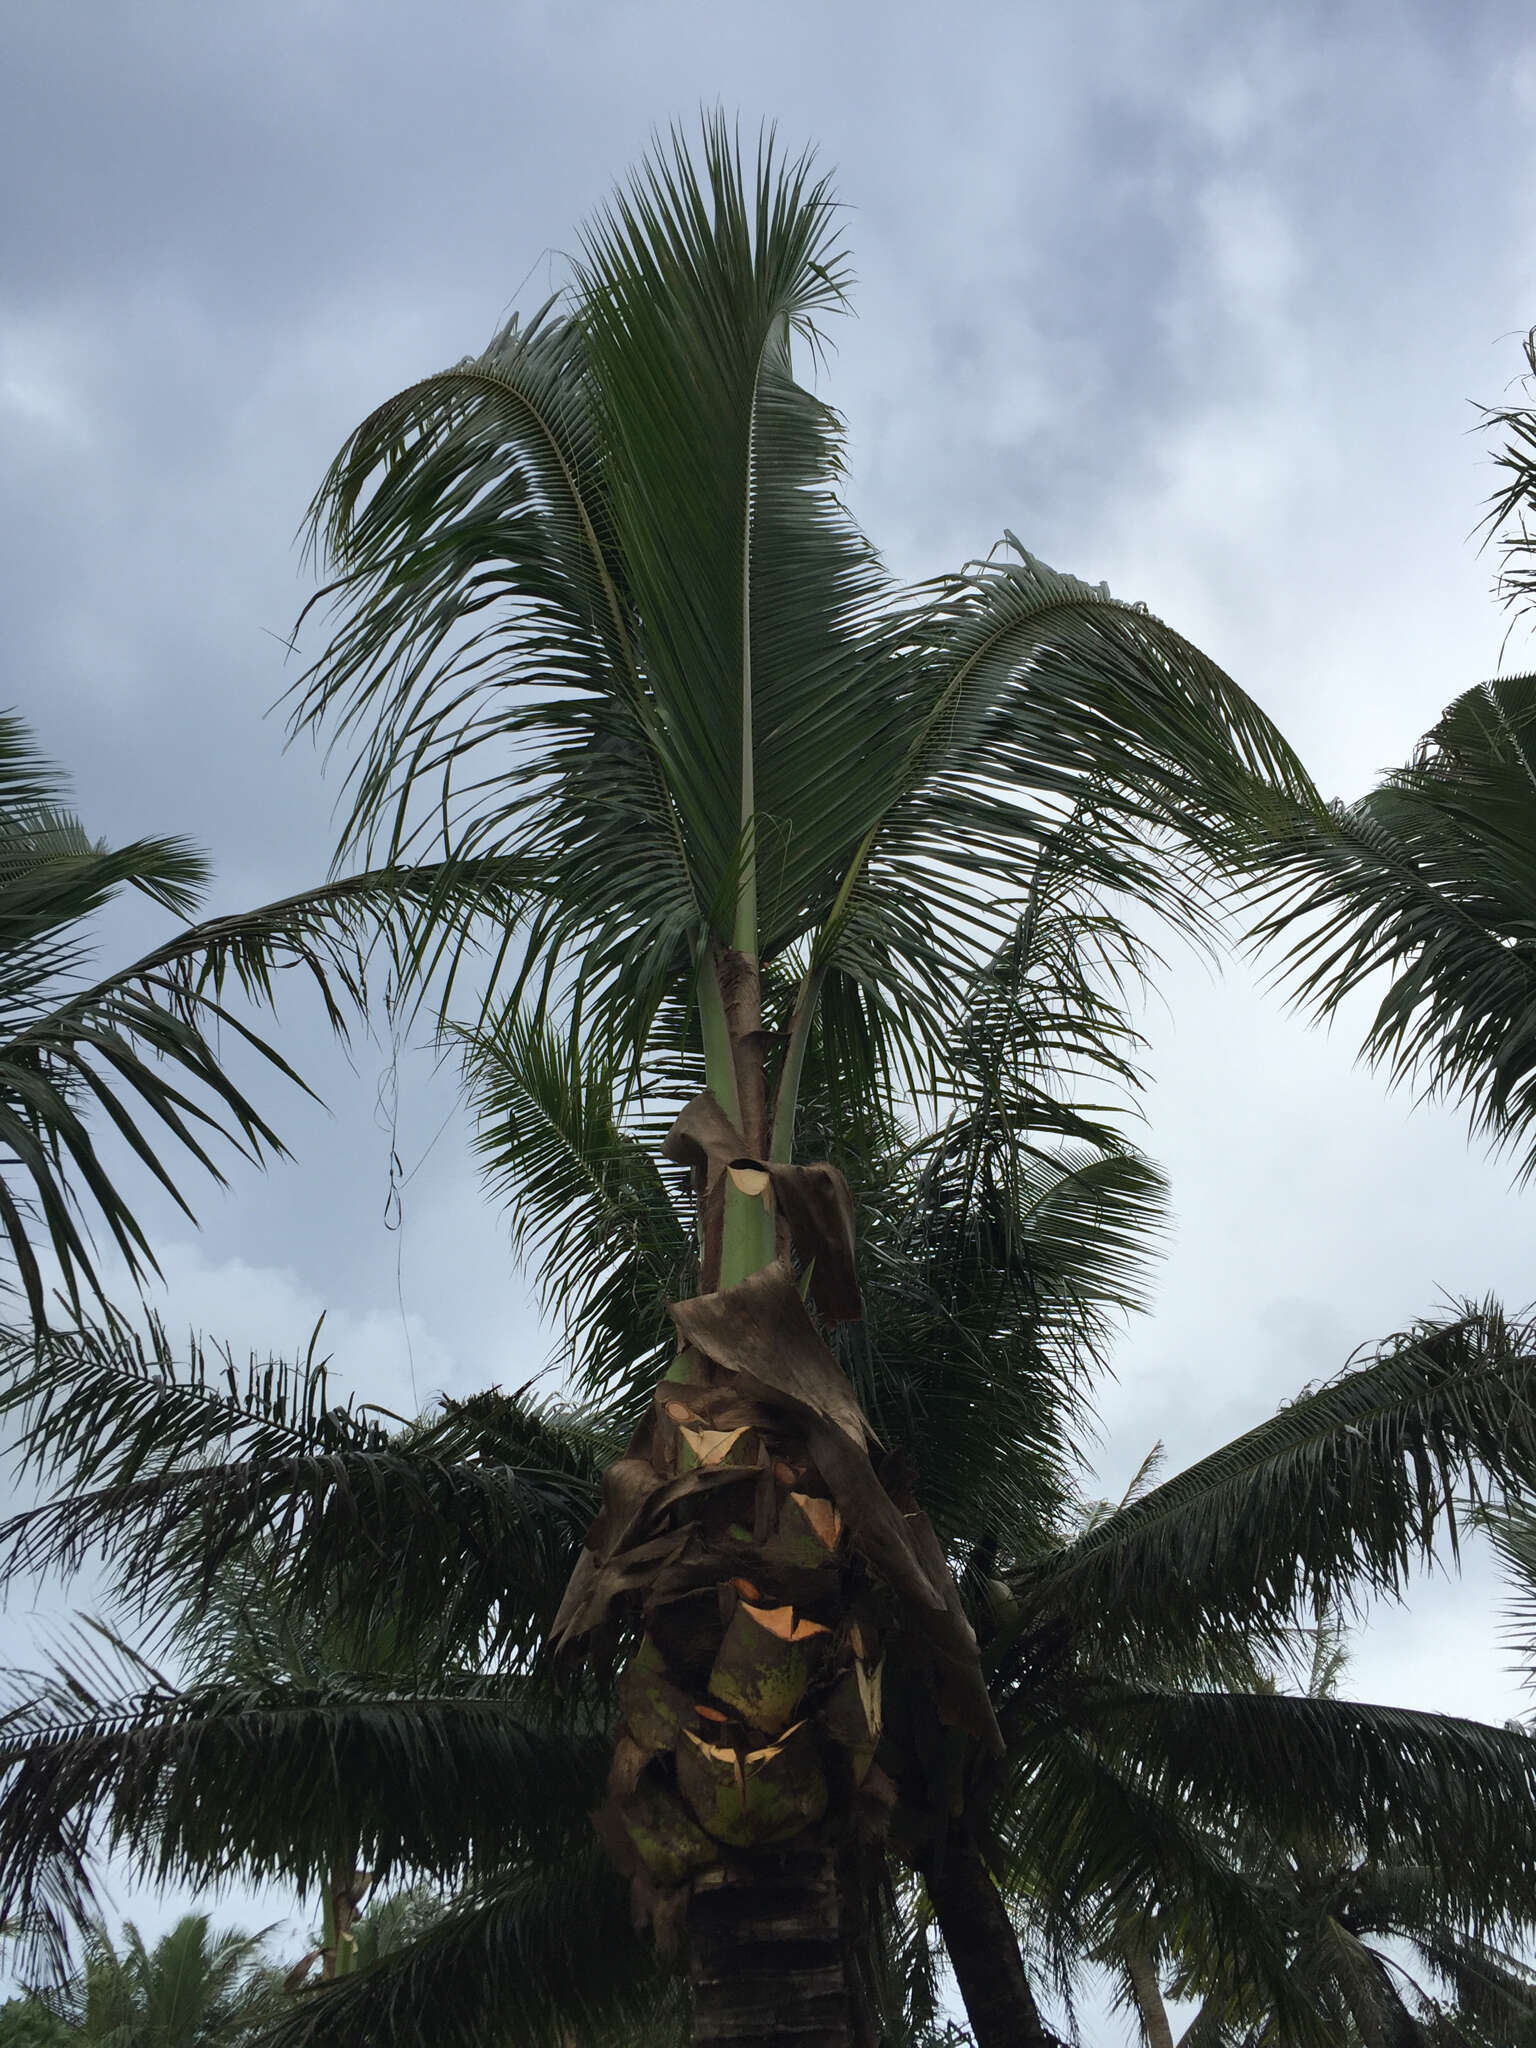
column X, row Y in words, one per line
column 601, row 609
column 1430, row 880
column 483, row 664
column 590, row 1212
column 467, row 1523
column 118, row 1049
column 992, row 1291
column 429, row 921
column 1493, row 1992
column 1043, row 696
column 1512, row 1531
column 1090, row 1845
column 266, row 1776
column 1455, row 1796
column 1343, row 1493
column 752, row 583
column 138, row 1050
column 1508, row 519
column 535, row 1956
column 1003, row 1247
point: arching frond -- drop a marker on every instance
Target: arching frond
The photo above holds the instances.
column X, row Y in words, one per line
column 590, row 1212
column 1344, row 1492
column 1452, row 1795
column 266, row 1776
column 1088, row 1846
column 1430, row 880
column 138, row 1052
column 466, row 1524
column 601, row 609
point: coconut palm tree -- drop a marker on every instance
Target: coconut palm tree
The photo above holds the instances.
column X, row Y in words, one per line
column 137, row 1053
column 1076, row 1214
column 601, row 614
column 196, row 1987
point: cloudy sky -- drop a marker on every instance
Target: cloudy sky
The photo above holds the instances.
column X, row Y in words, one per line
column 1192, row 298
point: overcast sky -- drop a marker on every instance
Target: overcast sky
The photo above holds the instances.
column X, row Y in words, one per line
column 1192, row 298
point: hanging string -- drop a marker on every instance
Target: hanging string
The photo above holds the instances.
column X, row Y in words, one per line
column 387, row 1119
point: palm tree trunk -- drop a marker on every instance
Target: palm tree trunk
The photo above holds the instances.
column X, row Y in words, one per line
column 766, row 1956
column 982, row 1947
column 1148, row 1993
column 749, row 1536
column 344, row 1895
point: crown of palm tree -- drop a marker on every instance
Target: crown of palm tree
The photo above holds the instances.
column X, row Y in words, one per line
column 600, row 610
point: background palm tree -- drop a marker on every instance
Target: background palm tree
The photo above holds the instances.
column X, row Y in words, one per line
column 1380, row 1950
column 196, row 1987
column 26, row 2022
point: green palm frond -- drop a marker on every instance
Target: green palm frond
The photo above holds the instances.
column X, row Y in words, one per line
column 751, row 583
column 1508, row 519
column 1430, row 880
column 992, row 1292
column 266, row 1774
column 468, row 1521
column 1366, row 1838
column 590, row 1212
column 1513, row 1534
column 1003, row 1247
column 480, row 563
column 1044, row 1019
column 119, row 1050
column 1492, row 1992
column 1040, row 694
column 1089, row 1844
column 137, row 1052
column 1344, row 1492
column 1452, row 1795
column 430, row 923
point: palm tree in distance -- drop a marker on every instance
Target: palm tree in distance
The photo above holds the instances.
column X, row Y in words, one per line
column 602, row 616
column 196, row 1987
column 1380, row 1951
